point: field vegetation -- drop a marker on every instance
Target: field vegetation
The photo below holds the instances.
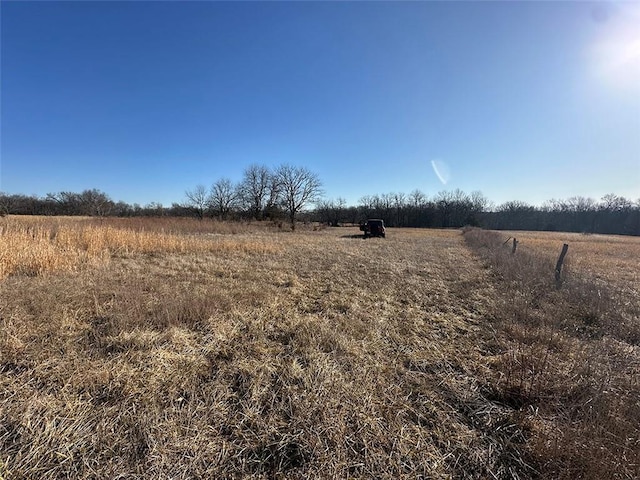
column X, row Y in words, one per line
column 37, row 245
column 177, row 348
column 568, row 351
column 614, row 259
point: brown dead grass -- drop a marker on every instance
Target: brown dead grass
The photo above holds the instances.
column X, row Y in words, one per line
column 316, row 355
column 35, row 246
column 611, row 258
column 324, row 356
column 568, row 358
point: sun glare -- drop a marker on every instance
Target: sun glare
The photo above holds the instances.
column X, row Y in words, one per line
column 616, row 53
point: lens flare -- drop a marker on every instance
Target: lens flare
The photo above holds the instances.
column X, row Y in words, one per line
column 441, row 170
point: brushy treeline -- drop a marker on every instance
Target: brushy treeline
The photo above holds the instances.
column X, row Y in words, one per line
column 613, row 214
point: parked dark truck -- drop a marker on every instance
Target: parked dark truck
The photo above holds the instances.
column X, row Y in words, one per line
column 373, row 228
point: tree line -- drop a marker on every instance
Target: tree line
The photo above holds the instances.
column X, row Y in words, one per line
column 282, row 193
column 262, row 193
column 613, row 214
column 92, row 202
column 288, row 193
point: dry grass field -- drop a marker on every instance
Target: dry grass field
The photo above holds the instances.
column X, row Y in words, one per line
column 569, row 351
column 613, row 258
column 163, row 348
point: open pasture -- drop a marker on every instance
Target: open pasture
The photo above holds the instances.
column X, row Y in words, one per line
column 217, row 351
column 613, row 258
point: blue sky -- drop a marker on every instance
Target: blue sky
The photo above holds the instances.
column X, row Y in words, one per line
column 523, row 101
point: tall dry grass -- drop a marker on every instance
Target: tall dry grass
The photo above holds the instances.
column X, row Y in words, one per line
column 34, row 246
column 567, row 358
column 184, row 225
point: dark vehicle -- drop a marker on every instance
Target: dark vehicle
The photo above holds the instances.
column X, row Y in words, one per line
column 373, row 228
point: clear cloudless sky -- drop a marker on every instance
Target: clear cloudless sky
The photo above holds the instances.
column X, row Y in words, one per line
column 143, row 100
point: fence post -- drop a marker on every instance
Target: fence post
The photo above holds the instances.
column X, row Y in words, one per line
column 565, row 248
column 515, row 244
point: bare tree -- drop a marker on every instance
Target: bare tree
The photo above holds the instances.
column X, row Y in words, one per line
column 254, row 189
column 6, row 204
column 385, row 206
column 274, row 197
column 95, row 203
column 299, row 187
column 479, row 201
column 444, row 201
column 417, row 206
column 399, row 204
column 65, row 203
column 332, row 212
column 223, row 197
column 615, row 203
column 198, row 200
column 417, row 199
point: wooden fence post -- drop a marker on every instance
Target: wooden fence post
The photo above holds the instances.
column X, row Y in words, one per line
column 515, row 244
column 565, row 248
